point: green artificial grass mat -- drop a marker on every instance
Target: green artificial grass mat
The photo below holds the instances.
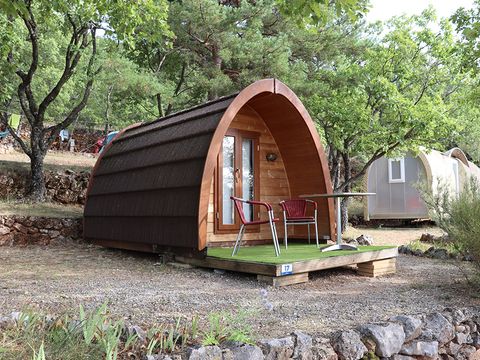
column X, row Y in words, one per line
column 295, row 252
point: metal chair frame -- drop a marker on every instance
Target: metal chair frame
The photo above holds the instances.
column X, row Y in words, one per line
column 289, row 220
column 271, row 220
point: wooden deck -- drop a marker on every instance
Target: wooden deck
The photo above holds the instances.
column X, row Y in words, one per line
column 369, row 263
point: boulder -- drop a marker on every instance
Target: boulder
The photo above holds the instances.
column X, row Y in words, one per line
column 412, row 326
column 278, row 348
column 323, row 350
column 4, row 230
column 348, row 345
column 440, row 328
column 244, row 352
column 388, row 337
column 303, row 346
column 420, row 348
column 206, row 353
column 364, row 240
column 427, row 238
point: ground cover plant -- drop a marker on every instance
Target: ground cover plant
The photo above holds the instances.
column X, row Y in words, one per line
column 295, row 252
column 96, row 334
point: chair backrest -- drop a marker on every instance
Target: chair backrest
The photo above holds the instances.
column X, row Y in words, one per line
column 239, row 206
column 295, row 208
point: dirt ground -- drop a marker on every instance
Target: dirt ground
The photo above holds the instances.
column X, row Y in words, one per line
column 55, row 159
column 394, row 235
column 143, row 291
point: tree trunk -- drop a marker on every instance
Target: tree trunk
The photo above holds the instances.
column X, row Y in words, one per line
column 37, row 189
column 158, row 97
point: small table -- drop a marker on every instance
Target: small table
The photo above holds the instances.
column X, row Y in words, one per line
column 338, row 196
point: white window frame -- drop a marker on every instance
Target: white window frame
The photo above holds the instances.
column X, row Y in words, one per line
column 401, row 179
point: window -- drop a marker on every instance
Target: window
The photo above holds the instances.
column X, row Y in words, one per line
column 396, row 170
column 237, row 175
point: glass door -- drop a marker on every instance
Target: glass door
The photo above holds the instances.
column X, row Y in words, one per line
column 238, row 175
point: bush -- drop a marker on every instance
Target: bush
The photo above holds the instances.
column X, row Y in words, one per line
column 459, row 217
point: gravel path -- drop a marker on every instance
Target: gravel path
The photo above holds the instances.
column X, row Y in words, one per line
column 59, row 278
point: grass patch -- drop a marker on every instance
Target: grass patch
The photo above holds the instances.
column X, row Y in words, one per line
column 96, row 335
column 40, row 209
column 295, row 252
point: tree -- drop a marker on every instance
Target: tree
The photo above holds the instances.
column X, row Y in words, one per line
column 392, row 97
column 80, row 21
column 123, row 93
column 314, row 12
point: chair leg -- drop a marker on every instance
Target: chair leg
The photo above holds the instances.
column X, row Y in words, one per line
column 274, row 234
column 239, row 239
column 285, row 238
column 308, row 226
column 316, row 229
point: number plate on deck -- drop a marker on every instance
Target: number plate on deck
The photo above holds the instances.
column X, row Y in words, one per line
column 287, row 269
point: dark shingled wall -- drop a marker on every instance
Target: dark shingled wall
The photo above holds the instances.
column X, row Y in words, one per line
column 146, row 187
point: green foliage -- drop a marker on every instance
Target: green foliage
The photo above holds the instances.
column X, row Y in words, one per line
column 223, row 326
column 459, row 217
column 314, row 12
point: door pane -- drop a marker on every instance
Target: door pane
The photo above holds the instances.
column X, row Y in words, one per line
column 248, row 185
column 228, row 179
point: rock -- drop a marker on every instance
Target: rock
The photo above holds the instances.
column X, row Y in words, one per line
column 461, row 338
column 388, row 337
column 427, row 238
column 474, row 356
column 420, row 348
column 402, row 357
column 303, row 346
column 278, row 348
column 452, row 348
column 365, row 240
column 4, row 230
column 137, row 330
column 440, row 329
column 465, row 352
column 246, row 352
column 20, row 228
column 348, row 345
column 206, row 353
column 323, row 350
column 412, row 326
column 441, row 254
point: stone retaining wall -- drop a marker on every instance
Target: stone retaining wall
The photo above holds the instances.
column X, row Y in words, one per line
column 67, row 187
column 451, row 334
column 28, row 230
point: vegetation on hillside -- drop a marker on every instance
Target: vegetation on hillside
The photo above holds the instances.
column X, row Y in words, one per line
column 373, row 89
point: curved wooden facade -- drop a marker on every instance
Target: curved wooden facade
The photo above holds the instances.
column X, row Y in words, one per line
column 153, row 188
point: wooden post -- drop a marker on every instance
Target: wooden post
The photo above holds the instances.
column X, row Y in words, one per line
column 377, row 268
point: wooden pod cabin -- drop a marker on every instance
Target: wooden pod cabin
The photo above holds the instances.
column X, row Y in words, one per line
column 165, row 185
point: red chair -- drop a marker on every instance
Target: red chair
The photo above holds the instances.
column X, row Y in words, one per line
column 271, row 220
column 295, row 213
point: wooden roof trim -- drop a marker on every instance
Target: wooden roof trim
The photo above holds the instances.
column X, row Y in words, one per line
column 282, row 89
column 266, row 86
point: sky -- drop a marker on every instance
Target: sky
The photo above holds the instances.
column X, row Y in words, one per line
column 385, row 9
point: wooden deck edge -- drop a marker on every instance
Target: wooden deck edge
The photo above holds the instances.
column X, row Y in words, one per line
column 338, row 261
column 299, row 267
column 232, row 265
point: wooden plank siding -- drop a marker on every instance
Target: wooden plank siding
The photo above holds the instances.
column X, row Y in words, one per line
column 273, row 181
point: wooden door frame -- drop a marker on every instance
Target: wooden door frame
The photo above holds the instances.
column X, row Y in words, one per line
column 239, row 135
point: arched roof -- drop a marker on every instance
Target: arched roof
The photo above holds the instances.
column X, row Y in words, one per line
column 458, row 153
column 152, row 185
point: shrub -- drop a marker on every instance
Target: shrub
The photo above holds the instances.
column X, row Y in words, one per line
column 459, row 217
